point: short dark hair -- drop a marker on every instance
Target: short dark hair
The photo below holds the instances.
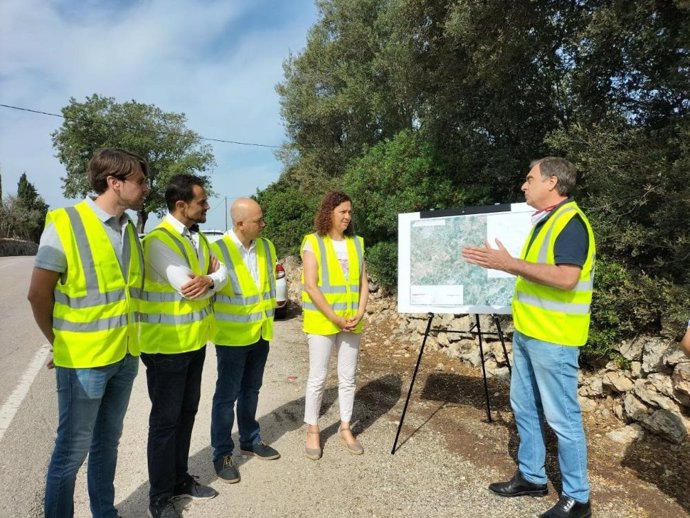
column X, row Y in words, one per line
column 181, row 188
column 562, row 169
column 115, row 162
column 322, row 219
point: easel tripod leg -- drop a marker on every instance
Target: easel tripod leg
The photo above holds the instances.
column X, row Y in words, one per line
column 481, row 352
column 414, row 376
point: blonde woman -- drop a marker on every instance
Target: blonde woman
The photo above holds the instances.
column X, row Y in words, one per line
column 334, row 299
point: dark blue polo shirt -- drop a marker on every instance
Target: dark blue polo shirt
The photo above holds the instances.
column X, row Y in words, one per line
column 572, row 244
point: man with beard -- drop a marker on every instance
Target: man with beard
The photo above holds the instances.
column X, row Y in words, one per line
column 177, row 321
column 84, row 294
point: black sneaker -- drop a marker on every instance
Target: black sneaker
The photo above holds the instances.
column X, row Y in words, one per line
column 190, row 488
column 163, row 508
column 226, row 469
column 569, row 508
column 261, row 450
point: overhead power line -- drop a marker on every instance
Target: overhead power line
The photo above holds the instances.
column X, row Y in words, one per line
column 224, row 141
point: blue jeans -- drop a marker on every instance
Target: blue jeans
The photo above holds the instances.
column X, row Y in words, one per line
column 174, row 385
column 544, row 385
column 240, row 374
column 91, row 407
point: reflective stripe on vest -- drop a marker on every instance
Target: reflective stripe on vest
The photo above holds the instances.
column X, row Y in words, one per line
column 341, row 294
column 552, row 314
column 170, row 323
column 245, row 311
column 83, row 337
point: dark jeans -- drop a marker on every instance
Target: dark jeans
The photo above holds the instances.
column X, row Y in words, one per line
column 174, row 383
column 240, row 374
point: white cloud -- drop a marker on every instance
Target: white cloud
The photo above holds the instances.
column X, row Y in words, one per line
column 217, row 61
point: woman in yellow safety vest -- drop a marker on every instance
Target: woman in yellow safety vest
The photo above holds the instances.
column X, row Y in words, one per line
column 334, row 298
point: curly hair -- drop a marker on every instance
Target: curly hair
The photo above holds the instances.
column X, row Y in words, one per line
column 323, row 218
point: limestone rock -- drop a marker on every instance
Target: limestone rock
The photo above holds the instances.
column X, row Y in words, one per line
column 636, row 369
column 586, row 404
column 632, row 350
column 617, row 381
column 653, row 353
column 627, row 434
column 656, row 390
column 674, row 356
column 667, row 424
column 681, row 383
column 635, row 409
column 591, row 386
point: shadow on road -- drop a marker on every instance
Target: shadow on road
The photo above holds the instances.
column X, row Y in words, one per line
column 372, row 401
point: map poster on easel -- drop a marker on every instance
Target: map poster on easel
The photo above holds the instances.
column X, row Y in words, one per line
column 432, row 275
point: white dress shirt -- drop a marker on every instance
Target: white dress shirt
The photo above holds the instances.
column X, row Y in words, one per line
column 248, row 255
column 166, row 265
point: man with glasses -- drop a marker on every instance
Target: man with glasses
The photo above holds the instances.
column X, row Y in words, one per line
column 244, row 315
column 551, row 313
column 85, row 293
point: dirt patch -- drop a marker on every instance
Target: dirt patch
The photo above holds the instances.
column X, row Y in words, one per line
column 650, row 474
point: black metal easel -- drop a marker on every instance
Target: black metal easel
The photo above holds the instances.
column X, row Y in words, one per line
column 479, row 333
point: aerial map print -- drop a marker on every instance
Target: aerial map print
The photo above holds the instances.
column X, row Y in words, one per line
column 440, row 280
column 436, row 261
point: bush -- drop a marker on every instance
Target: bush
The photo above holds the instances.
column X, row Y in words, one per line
column 382, row 265
column 289, row 215
column 626, row 304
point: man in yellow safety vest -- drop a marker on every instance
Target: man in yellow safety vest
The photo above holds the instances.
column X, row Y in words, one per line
column 244, row 315
column 551, row 313
column 176, row 323
column 85, row 293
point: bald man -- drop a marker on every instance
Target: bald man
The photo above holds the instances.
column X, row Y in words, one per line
column 244, row 315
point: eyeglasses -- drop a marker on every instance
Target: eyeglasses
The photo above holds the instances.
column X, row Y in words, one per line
column 142, row 182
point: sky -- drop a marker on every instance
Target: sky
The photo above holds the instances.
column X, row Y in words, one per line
column 216, row 61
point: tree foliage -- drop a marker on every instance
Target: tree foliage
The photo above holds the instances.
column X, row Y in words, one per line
column 162, row 138
column 416, row 104
column 23, row 216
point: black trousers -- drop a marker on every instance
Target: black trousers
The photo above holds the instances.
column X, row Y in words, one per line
column 174, row 384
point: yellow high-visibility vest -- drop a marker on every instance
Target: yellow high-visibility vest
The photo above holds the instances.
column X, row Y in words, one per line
column 95, row 319
column 342, row 294
column 170, row 323
column 244, row 311
column 553, row 314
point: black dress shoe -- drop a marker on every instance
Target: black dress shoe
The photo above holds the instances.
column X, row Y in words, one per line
column 518, row 486
column 568, row 508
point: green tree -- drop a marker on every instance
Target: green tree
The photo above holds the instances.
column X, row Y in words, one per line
column 389, row 98
column 160, row 137
column 34, row 208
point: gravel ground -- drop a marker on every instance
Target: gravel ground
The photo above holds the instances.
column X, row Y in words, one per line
column 435, row 471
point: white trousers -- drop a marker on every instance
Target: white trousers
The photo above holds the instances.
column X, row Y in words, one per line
column 320, row 348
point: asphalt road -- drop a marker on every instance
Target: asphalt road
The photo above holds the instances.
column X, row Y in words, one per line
column 27, row 414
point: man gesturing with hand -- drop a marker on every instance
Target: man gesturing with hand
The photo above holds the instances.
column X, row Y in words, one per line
column 551, row 313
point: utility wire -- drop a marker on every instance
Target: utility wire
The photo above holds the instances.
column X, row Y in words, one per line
column 254, row 144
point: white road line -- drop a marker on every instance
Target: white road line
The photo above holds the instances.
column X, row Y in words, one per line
column 9, row 409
